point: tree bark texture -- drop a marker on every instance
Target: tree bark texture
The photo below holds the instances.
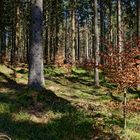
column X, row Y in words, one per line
column 96, row 42
column 36, row 75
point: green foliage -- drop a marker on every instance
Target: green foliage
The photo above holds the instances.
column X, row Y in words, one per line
column 54, row 71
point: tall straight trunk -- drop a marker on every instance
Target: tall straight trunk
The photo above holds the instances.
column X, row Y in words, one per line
column 17, row 31
column 56, row 40
column 110, row 23
column 1, row 10
column 119, row 26
column 46, row 43
column 124, row 108
column 96, row 42
column 66, row 30
column 13, row 43
column 78, row 40
column 3, row 45
column 27, row 24
column 73, row 31
column 27, row 43
column 36, row 75
column 49, row 37
column 138, row 28
column 1, row 13
column 2, row 33
column 87, row 41
column 92, row 37
column 24, row 42
column 102, row 29
column 138, row 18
column 46, row 46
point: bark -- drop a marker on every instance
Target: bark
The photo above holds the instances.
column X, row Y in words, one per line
column 46, row 46
column 66, row 30
column 56, row 31
column 73, row 32
column 2, row 34
column 1, row 13
column 110, row 23
column 17, row 31
column 119, row 26
column 96, row 42
column 3, row 45
column 138, row 18
column 124, row 108
column 36, row 75
column 46, row 42
column 102, row 29
column 138, row 27
column 87, row 41
column 78, row 40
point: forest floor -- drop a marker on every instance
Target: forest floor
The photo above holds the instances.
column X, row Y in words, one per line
column 75, row 109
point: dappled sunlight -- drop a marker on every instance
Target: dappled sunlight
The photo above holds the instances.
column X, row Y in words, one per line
column 65, row 109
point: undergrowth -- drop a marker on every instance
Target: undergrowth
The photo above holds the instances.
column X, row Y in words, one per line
column 71, row 108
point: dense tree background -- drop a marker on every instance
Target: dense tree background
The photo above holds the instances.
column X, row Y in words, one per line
column 84, row 51
column 73, row 31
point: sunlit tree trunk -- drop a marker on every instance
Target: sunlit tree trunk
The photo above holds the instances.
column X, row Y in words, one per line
column 73, row 31
column 96, row 42
column 138, row 28
column 36, row 76
column 119, row 26
column 138, row 18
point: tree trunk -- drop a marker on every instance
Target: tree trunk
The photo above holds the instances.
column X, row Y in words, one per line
column 87, row 40
column 110, row 23
column 119, row 29
column 36, row 75
column 56, row 40
column 124, row 108
column 66, row 32
column 17, row 31
column 78, row 40
column 138, row 28
column 73, row 31
column 3, row 45
column 1, row 15
column 138, row 18
column 2, row 34
column 46, row 42
column 102, row 29
column 96, row 41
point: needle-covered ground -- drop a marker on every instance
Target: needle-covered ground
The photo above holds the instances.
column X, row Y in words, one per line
column 71, row 108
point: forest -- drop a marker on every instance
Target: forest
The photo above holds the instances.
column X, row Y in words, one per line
column 70, row 70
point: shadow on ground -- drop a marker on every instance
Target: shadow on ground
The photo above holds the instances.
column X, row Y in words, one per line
column 21, row 97
column 71, row 125
column 66, row 128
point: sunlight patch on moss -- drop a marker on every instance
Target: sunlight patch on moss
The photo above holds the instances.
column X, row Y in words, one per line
column 131, row 135
column 4, row 108
column 5, row 70
column 21, row 116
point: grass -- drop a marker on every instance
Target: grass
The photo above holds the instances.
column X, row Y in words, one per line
column 70, row 109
